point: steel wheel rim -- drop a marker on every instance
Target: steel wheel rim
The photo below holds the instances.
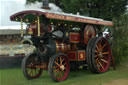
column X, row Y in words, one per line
column 88, row 54
column 30, row 68
column 60, row 68
column 102, row 55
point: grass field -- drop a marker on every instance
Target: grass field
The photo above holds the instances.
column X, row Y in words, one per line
column 80, row 77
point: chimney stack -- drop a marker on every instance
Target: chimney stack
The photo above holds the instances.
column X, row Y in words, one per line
column 45, row 4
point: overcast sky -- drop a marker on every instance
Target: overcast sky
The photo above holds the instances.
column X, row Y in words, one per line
column 7, row 8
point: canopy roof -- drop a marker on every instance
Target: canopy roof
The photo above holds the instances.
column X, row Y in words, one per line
column 29, row 14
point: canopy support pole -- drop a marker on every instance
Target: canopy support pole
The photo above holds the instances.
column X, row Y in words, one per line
column 22, row 32
column 38, row 23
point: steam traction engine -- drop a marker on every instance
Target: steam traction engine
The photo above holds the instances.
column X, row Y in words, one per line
column 63, row 42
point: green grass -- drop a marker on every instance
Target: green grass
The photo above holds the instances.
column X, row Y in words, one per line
column 80, row 77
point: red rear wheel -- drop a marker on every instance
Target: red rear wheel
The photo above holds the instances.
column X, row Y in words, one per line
column 101, row 55
column 59, row 67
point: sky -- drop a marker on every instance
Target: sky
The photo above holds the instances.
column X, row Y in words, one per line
column 7, row 8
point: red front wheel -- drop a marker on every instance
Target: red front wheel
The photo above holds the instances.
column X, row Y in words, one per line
column 59, row 67
column 28, row 66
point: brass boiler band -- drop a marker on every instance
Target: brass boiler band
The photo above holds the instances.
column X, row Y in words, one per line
column 63, row 47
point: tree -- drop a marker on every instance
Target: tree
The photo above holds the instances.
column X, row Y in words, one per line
column 120, row 40
column 106, row 9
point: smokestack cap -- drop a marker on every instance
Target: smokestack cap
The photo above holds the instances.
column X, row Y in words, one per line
column 45, row 4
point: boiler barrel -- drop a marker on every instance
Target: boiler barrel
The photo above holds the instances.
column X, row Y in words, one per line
column 63, row 47
column 57, row 46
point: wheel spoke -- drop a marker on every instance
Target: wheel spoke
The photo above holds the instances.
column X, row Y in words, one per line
column 100, row 47
column 35, row 71
column 60, row 61
column 97, row 64
column 64, row 64
column 57, row 63
column 96, row 51
column 104, row 60
column 57, row 59
column 96, row 55
column 97, row 48
column 104, row 53
column 98, row 67
column 64, row 70
column 38, row 69
column 101, row 65
column 56, row 70
column 31, row 72
column 100, row 41
column 104, row 45
column 60, row 74
column 55, row 67
column 96, row 61
column 29, row 66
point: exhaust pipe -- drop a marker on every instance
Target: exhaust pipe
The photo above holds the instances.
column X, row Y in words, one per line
column 45, row 4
